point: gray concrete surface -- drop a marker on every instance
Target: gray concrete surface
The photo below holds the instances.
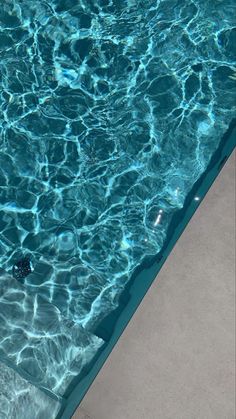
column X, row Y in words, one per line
column 176, row 358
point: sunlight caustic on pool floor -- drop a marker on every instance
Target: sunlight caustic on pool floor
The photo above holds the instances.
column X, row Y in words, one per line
column 110, row 112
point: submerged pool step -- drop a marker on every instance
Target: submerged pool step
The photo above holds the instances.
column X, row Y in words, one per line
column 39, row 343
column 18, row 396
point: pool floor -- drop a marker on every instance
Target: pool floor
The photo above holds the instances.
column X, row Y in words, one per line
column 111, row 111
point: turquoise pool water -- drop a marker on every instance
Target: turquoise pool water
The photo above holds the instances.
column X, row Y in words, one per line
column 111, row 112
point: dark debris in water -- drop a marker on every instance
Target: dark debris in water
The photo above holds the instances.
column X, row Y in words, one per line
column 22, row 268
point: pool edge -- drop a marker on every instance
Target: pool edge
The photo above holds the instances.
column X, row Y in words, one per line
column 138, row 288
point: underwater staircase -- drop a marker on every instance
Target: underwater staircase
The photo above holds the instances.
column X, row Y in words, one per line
column 40, row 349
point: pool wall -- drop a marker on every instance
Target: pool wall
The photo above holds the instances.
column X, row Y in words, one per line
column 111, row 328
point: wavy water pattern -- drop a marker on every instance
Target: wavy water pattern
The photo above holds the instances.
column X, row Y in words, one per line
column 17, row 397
column 110, row 111
column 38, row 342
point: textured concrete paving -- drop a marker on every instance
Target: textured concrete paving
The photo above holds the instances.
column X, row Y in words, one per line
column 176, row 358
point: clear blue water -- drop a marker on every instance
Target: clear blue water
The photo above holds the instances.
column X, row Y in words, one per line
column 110, row 113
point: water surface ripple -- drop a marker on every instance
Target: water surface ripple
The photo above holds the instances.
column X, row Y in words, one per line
column 110, row 111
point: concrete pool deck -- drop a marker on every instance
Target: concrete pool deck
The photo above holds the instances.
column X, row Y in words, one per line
column 176, row 358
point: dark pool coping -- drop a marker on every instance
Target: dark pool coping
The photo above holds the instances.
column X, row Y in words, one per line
column 114, row 324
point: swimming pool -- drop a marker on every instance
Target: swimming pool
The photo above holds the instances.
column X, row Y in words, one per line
column 116, row 116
